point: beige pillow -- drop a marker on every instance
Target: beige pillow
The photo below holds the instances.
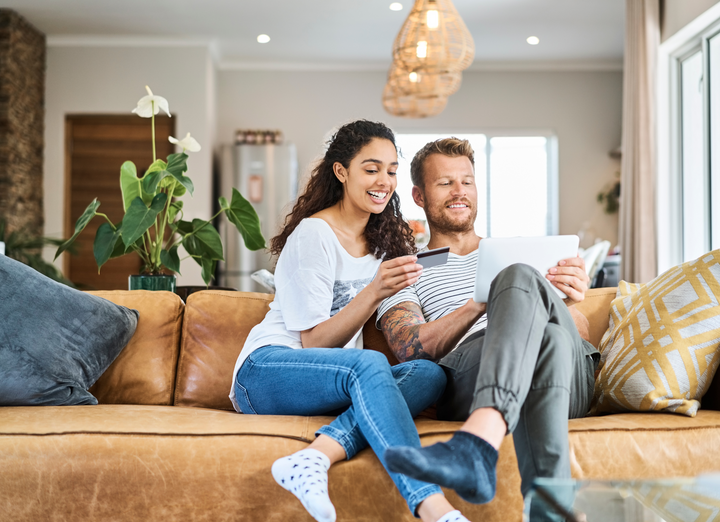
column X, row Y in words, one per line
column 661, row 350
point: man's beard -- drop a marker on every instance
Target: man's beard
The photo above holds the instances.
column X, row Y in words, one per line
column 439, row 221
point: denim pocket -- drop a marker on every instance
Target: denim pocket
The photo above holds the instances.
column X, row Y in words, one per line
column 241, row 396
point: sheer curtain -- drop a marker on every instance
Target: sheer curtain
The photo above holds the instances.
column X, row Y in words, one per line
column 637, row 207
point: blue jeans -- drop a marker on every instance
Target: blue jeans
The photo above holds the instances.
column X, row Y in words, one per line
column 378, row 402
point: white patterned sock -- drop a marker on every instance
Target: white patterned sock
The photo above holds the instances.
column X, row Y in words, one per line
column 453, row 516
column 304, row 474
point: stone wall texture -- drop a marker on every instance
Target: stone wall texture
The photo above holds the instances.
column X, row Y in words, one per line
column 22, row 114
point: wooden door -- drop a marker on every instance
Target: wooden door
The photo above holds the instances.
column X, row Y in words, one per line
column 96, row 147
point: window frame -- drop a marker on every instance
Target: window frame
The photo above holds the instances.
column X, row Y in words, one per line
column 553, row 216
column 669, row 188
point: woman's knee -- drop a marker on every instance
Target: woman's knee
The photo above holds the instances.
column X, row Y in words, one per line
column 422, row 373
column 370, row 360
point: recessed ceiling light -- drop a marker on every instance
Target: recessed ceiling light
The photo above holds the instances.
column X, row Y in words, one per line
column 263, row 38
column 533, row 40
column 396, row 6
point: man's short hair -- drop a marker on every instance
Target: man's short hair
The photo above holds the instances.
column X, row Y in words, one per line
column 451, row 147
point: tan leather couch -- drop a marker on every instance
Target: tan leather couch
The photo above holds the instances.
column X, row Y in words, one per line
column 164, row 443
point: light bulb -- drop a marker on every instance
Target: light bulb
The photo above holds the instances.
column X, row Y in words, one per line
column 433, row 19
column 533, row 40
column 413, row 77
column 263, row 38
column 421, row 51
column 396, row 6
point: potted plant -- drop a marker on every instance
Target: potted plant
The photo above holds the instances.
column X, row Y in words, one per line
column 25, row 247
column 153, row 225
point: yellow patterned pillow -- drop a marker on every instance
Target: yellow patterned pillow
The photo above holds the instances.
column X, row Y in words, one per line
column 662, row 348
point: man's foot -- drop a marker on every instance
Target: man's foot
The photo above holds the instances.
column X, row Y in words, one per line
column 465, row 463
column 304, row 474
column 453, row 516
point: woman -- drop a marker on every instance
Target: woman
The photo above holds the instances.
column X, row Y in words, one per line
column 330, row 277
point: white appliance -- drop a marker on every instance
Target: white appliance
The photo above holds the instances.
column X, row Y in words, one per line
column 267, row 176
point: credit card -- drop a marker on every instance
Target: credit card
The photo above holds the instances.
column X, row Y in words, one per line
column 438, row 256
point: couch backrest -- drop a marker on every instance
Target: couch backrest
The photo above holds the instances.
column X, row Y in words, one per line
column 144, row 372
column 214, row 331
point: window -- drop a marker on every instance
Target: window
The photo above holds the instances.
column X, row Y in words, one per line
column 516, row 178
column 689, row 142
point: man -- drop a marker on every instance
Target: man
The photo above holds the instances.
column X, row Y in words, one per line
column 519, row 364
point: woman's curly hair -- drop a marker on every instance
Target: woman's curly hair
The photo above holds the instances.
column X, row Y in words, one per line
column 387, row 234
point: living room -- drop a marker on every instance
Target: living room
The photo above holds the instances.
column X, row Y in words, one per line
column 325, row 64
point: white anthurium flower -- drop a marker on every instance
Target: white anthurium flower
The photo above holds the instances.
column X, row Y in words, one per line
column 187, row 143
column 147, row 104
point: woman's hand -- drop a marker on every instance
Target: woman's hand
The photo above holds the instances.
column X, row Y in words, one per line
column 394, row 275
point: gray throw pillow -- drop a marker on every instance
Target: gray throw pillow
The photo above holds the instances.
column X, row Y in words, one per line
column 55, row 341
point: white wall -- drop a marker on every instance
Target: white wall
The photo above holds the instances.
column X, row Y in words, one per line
column 582, row 108
column 678, row 13
column 110, row 80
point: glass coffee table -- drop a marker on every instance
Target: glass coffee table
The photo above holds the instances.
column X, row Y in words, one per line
column 665, row 500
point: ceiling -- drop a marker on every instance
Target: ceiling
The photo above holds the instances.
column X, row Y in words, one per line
column 337, row 31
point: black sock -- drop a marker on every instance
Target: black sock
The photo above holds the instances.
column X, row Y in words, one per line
column 465, row 463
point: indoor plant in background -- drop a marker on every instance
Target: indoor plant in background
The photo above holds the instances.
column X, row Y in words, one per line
column 25, row 247
column 153, row 225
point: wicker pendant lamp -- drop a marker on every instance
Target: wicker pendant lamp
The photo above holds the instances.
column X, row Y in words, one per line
column 434, row 39
column 412, row 106
column 418, row 83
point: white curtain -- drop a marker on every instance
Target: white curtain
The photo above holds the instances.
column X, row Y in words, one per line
column 637, row 199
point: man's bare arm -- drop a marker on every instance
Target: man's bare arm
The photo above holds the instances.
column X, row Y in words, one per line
column 410, row 337
column 401, row 327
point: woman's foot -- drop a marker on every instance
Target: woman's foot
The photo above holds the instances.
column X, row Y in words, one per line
column 453, row 516
column 304, row 474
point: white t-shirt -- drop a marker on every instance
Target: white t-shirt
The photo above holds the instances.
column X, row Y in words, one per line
column 315, row 278
column 441, row 289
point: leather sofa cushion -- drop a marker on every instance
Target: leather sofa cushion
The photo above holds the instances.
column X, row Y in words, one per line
column 216, row 326
column 651, row 445
column 144, row 372
column 126, row 463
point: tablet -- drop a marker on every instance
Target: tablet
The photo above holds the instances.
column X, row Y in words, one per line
column 541, row 253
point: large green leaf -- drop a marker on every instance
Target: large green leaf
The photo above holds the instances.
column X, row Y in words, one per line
column 177, row 165
column 106, row 240
column 242, row 214
column 151, row 179
column 175, row 207
column 139, row 218
column 208, row 269
column 156, row 166
column 80, row 225
column 171, row 259
column 129, row 184
column 183, row 227
column 208, row 239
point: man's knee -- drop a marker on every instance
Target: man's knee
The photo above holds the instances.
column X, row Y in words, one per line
column 518, row 275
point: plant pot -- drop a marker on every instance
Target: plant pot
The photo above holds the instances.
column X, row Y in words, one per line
column 152, row 282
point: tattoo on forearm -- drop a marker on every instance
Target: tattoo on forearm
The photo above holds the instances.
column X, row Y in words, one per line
column 401, row 326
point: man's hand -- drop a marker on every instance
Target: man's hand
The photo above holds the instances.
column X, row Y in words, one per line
column 570, row 276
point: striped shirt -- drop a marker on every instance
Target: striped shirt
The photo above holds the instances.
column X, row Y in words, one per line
column 441, row 290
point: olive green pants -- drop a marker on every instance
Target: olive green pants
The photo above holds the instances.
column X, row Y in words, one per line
column 531, row 365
